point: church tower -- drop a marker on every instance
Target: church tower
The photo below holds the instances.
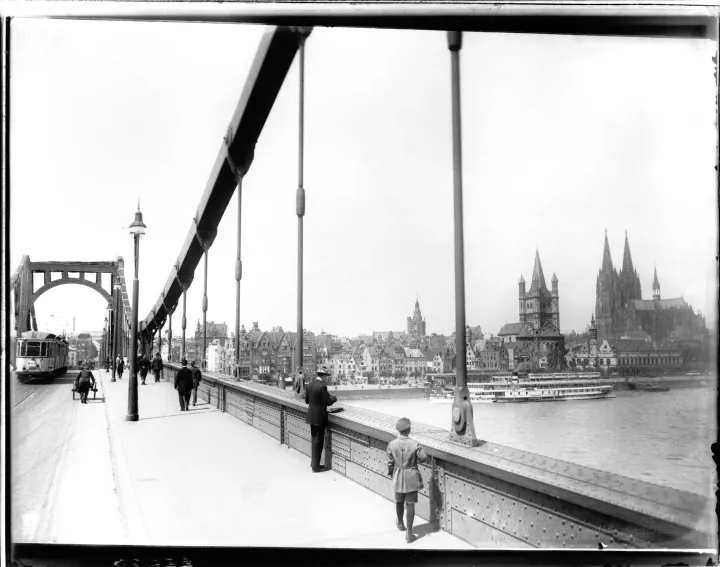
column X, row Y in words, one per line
column 416, row 323
column 656, row 286
column 607, row 296
column 555, row 301
column 538, row 305
column 592, row 346
column 629, row 279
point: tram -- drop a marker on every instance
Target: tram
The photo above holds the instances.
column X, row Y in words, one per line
column 40, row 355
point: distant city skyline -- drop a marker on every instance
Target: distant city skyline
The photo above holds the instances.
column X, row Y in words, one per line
column 564, row 137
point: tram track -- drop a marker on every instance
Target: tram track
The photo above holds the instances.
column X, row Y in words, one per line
column 22, row 392
column 28, row 397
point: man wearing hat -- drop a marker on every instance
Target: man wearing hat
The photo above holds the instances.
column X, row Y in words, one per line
column 197, row 378
column 184, row 385
column 318, row 398
column 404, row 454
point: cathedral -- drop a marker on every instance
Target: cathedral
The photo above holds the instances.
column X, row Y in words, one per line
column 416, row 323
column 623, row 313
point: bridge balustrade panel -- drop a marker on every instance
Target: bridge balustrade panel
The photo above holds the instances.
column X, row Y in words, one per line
column 491, row 496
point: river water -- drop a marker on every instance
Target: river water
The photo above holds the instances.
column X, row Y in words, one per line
column 663, row 437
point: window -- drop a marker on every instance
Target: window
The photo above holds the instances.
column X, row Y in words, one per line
column 33, row 348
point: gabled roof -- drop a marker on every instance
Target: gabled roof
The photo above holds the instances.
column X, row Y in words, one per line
column 525, row 332
column 550, row 330
column 510, row 329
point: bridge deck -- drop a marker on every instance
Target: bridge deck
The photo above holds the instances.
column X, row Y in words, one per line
column 205, row 478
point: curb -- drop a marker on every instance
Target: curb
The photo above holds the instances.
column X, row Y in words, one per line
column 133, row 524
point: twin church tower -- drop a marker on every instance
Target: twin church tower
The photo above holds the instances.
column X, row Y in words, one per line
column 620, row 310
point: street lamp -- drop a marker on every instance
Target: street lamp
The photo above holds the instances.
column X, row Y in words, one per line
column 105, row 343
column 137, row 229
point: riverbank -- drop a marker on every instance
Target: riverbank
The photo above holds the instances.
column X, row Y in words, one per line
column 621, row 383
column 375, row 392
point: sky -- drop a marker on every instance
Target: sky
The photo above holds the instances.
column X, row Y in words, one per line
column 564, row 137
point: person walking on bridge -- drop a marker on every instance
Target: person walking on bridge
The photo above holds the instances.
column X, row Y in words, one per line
column 183, row 385
column 404, row 455
column 196, row 379
column 83, row 382
column 318, row 398
column 144, row 367
column 119, row 366
column 157, row 366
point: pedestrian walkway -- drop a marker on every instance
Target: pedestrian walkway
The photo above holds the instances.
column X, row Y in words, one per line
column 204, row 478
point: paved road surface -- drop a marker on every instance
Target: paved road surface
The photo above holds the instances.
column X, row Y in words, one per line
column 59, row 458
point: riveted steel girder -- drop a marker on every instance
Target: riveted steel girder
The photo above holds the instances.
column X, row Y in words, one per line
column 272, row 61
column 89, row 267
column 590, row 18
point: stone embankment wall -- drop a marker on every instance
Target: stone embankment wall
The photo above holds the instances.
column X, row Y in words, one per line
column 489, row 495
column 377, row 393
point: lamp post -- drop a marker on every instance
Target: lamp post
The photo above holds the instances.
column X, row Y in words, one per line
column 462, row 426
column 137, row 229
column 105, row 342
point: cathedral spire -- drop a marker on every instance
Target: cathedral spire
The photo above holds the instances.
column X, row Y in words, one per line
column 627, row 267
column 607, row 265
column 656, row 286
column 538, row 272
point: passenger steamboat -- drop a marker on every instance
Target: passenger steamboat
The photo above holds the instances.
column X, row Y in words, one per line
column 40, row 355
column 553, row 387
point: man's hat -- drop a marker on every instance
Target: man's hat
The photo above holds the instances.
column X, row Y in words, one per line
column 183, row 362
column 403, row 424
column 323, row 370
column 193, row 363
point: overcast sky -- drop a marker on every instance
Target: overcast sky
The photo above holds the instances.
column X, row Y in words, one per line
column 563, row 137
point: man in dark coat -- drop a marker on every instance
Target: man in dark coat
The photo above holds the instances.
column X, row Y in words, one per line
column 183, row 385
column 120, row 367
column 197, row 378
column 144, row 367
column 318, row 398
column 157, row 366
column 84, row 380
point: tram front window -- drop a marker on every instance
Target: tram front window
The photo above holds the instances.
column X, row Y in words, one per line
column 33, row 348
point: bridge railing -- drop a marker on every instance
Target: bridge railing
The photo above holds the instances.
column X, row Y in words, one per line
column 490, row 495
